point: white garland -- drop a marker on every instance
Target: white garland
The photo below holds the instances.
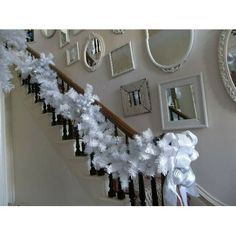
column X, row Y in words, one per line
column 171, row 156
column 11, row 42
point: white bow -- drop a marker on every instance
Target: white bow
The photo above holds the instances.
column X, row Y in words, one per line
column 177, row 153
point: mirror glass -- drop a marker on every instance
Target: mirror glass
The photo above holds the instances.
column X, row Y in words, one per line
column 181, row 103
column 94, row 52
column 121, row 60
column 48, row 33
column 231, row 55
column 169, row 49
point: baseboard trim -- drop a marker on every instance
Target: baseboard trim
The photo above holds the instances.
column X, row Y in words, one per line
column 207, row 197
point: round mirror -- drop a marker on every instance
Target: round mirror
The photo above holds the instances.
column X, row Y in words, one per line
column 227, row 61
column 94, row 52
column 48, row 33
column 169, row 49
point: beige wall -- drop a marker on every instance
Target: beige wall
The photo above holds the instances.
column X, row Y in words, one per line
column 42, row 176
column 215, row 168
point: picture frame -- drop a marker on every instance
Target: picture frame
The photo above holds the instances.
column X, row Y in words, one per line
column 135, row 98
column 183, row 103
column 121, row 60
column 64, row 37
column 72, row 54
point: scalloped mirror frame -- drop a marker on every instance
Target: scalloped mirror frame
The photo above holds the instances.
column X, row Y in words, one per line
column 223, row 65
column 173, row 67
column 48, row 34
column 93, row 68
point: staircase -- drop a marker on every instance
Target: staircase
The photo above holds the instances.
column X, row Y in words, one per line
column 75, row 181
column 97, row 187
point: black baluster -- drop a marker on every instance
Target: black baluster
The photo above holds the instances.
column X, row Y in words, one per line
column 53, row 123
column 120, row 192
column 154, row 192
column 77, row 143
column 162, row 184
column 59, row 120
column 67, row 87
column 111, row 192
column 49, row 108
column 83, row 149
column 29, row 87
column 116, row 131
column 131, row 183
column 44, row 108
column 36, row 97
column 70, row 130
column 92, row 168
column 62, row 86
column 33, row 88
column 39, row 97
column 142, row 196
column 64, row 129
column 131, row 192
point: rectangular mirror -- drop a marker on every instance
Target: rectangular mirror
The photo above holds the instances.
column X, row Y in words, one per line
column 182, row 103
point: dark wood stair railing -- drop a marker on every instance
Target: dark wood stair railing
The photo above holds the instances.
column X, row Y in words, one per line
column 71, row 132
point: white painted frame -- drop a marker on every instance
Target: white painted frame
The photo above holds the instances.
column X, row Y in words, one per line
column 171, row 67
column 201, row 121
column 223, row 64
column 68, row 54
column 102, row 48
column 113, row 61
column 67, row 38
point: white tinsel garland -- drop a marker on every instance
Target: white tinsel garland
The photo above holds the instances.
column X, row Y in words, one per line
column 11, row 42
column 171, row 156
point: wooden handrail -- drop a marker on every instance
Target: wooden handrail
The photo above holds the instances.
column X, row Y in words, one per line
column 125, row 128
column 182, row 115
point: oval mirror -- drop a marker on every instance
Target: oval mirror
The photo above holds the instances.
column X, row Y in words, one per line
column 169, row 49
column 47, row 33
column 94, row 52
column 227, row 61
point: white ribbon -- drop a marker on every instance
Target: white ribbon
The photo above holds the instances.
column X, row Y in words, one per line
column 177, row 153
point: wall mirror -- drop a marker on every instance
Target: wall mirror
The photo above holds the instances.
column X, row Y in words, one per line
column 64, row 37
column 169, row 49
column 182, row 103
column 47, row 33
column 135, row 98
column 121, row 60
column 227, row 61
column 94, row 52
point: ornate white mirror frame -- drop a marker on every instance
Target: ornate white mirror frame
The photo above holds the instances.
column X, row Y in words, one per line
column 177, row 65
column 101, row 50
column 223, row 64
column 48, row 33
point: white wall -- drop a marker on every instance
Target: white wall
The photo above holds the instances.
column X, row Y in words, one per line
column 216, row 167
